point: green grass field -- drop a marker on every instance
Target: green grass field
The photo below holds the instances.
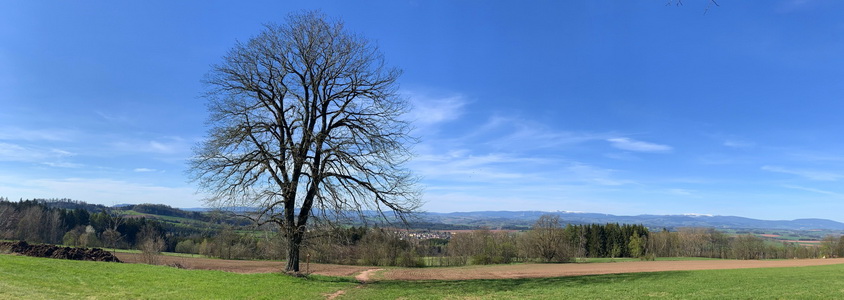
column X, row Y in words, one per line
column 38, row 278
column 24, row 277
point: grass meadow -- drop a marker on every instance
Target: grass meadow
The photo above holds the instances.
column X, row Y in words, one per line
column 23, row 277
column 41, row 278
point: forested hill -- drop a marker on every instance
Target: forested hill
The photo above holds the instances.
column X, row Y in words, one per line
column 165, row 210
column 65, row 203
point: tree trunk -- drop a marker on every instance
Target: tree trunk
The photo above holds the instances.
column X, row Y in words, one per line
column 294, row 241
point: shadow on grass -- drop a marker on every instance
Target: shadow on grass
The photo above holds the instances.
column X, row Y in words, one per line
column 501, row 285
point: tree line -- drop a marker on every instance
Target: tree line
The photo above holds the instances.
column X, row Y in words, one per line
column 549, row 240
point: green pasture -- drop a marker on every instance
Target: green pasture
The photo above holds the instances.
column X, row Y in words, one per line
column 41, row 278
column 24, row 277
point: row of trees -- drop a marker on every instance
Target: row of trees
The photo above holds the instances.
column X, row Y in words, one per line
column 547, row 241
column 707, row 242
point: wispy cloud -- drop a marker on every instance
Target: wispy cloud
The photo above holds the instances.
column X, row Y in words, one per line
column 638, row 146
column 594, row 175
column 813, row 190
column 113, row 118
column 808, row 174
column 163, row 145
column 144, row 170
column 461, row 166
column 428, row 110
column 24, row 153
column 738, row 144
column 10, row 133
column 63, row 164
column 680, row 192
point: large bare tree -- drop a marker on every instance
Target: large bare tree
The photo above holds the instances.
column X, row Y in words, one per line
column 305, row 122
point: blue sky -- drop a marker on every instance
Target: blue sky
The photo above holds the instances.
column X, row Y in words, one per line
column 622, row 107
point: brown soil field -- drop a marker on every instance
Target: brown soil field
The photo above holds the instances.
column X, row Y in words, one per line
column 558, row 270
column 367, row 273
column 243, row 266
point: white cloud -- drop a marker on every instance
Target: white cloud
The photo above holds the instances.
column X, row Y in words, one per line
column 638, row 146
column 63, row 164
column 460, row 165
column 738, row 144
column 519, row 134
column 808, row 174
column 429, row 110
column 144, row 170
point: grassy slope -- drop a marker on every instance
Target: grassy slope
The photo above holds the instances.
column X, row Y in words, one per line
column 42, row 278
column 34, row 278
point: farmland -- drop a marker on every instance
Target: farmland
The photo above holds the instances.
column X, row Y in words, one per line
column 50, row 278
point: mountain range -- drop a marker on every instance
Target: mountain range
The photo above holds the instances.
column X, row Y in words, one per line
column 524, row 219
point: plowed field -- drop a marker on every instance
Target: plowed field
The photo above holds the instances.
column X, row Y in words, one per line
column 558, row 270
column 485, row 272
column 243, row 266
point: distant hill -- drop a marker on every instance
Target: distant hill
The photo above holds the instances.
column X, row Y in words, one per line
column 71, row 204
column 490, row 219
column 525, row 219
column 518, row 219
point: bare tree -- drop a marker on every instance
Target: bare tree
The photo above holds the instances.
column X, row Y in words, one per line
column 547, row 239
column 305, row 122
column 151, row 244
column 111, row 236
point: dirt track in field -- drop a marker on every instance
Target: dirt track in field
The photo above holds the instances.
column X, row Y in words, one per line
column 481, row 272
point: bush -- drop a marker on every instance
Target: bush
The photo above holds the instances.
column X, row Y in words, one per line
column 187, row 246
column 408, row 259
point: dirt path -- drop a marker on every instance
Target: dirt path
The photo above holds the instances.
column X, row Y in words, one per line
column 364, row 276
column 364, row 273
column 558, row 270
column 335, row 295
